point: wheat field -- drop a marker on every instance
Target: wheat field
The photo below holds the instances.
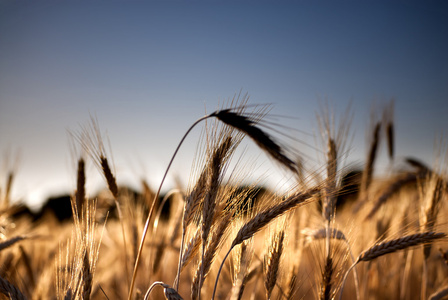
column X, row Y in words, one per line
column 336, row 233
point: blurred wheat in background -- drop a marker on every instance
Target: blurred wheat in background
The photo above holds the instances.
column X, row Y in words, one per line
column 335, row 233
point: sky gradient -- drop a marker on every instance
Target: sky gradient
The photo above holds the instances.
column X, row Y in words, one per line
column 147, row 70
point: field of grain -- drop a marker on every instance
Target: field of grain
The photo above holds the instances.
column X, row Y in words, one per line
column 336, row 233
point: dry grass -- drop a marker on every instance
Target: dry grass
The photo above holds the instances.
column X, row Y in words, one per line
column 217, row 241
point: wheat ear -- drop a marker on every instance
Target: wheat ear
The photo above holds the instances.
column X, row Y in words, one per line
column 209, row 205
column 399, row 244
column 8, row 188
column 272, row 262
column 87, row 277
column 388, row 117
column 12, row 241
column 80, row 185
column 394, row 245
column 261, row 138
column 433, row 193
column 371, row 157
column 192, row 202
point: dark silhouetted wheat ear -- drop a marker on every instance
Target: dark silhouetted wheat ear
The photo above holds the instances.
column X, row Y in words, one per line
column 80, row 185
column 261, row 138
column 388, row 116
column 11, row 241
column 371, row 157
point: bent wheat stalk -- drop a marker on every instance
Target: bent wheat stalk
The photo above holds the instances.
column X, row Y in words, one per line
column 238, row 121
column 170, row 293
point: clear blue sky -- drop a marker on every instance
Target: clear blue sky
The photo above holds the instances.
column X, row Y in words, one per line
column 147, row 69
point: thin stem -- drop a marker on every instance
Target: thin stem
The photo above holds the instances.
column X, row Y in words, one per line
column 181, row 252
column 355, row 273
column 219, row 272
column 145, row 230
column 345, row 278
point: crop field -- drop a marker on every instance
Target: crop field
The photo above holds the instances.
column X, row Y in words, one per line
column 335, row 233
